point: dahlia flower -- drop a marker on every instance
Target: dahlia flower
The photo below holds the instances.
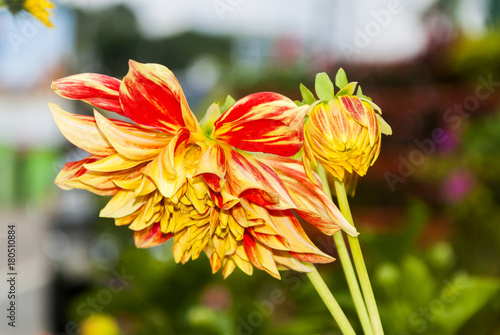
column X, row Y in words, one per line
column 223, row 186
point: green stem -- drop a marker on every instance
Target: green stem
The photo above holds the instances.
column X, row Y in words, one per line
column 346, row 262
column 330, row 302
column 359, row 262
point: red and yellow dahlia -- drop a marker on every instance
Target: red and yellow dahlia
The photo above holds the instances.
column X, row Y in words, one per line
column 225, row 186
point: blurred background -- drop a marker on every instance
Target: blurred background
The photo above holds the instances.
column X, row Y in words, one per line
column 428, row 209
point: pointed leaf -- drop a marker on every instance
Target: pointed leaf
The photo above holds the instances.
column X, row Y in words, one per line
column 228, row 103
column 307, row 96
column 384, row 126
column 347, row 90
column 324, row 87
column 341, row 79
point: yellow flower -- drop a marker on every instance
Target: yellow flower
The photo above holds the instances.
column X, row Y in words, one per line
column 218, row 187
column 343, row 133
column 100, row 324
column 37, row 8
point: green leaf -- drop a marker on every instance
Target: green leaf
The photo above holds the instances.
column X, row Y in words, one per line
column 347, row 90
column 460, row 299
column 384, row 126
column 307, row 96
column 359, row 93
column 228, row 103
column 371, row 103
column 419, row 286
column 324, row 87
column 341, row 79
column 207, row 122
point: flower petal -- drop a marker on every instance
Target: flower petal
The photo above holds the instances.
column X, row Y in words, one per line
column 122, row 204
column 82, row 131
column 310, row 200
column 289, row 262
column 260, row 256
column 96, row 89
column 73, row 170
column 213, row 162
column 354, row 108
column 75, row 175
column 263, row 122
column 167, row 170
column 151, row 95
column 112, row 163
column 150, row 236
column 132, row 142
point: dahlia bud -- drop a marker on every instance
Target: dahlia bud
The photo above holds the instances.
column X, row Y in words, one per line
column 342, row 131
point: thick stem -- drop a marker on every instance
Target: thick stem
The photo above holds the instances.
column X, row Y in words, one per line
column 346, row 262
column 359, row 262
column 330, row 302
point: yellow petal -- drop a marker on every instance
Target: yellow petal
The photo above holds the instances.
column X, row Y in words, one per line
column 112, row 163
column 82, row 131
column 122, row 204
column 132, row 142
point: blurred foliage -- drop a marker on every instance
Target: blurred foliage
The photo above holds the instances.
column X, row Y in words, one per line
column 472, row 58
column 108, row 39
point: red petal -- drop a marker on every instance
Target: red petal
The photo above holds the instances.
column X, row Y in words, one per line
column 96, row 89
column 263, row 122
column 151, row 95
column 150, row 236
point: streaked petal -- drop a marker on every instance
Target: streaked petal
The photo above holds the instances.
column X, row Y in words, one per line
column 260, row 256
column 250, row 178
column 371, row 123
column 82, row 131
column 132, row 142
column 310, row 200
column 263, row 122
column 312, row 258
column 354, row 108
column 96, row 89
column 150, row 236
column 73, row 170
column 213, row 161
column 151, row 95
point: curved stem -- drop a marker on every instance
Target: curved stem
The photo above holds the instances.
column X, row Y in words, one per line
column 329, row 300
column 359, row 262
column 347, row 266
